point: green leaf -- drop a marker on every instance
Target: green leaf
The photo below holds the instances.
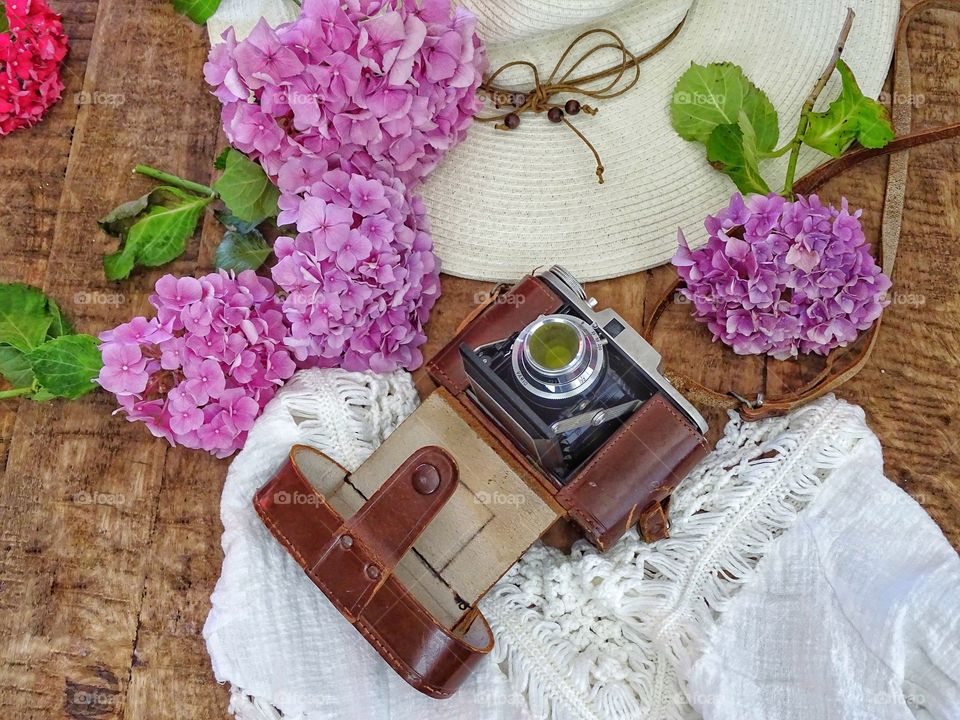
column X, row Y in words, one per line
column 232, row 222
column 707, row 96
column 4, row 22
column 241, row 251
column 246, row 190
column 66, row 366
column 118, row 266
column 220, row 161
column 43, row 395
column 59, row 325
column 159, row 234
column 732, row 149
column 15, row 367
column 851, row 117
column 118, row 221
column 25, row 316
column 197, row 10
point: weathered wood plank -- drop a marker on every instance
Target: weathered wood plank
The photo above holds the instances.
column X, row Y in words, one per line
column 82, row 489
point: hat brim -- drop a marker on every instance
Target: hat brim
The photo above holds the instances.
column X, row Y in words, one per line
column 503, row 203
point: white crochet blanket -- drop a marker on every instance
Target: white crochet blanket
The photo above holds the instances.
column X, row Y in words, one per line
column 692, row 626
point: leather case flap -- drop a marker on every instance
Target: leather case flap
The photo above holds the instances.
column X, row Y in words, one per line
column 638, row 467
column 352, row 560
column 367, row 547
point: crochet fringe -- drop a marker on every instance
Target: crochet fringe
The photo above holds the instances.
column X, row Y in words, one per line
column 366, row 408
column 666, row 597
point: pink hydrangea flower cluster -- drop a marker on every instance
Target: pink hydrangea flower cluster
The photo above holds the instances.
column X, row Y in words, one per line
column 360, row 275
column 375, row 82
column 200, row 372
column 782, row 278
column 347, row 108
column 31, row 52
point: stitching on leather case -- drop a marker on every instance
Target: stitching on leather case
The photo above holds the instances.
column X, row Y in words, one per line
column 701, row 440
column 373, row 636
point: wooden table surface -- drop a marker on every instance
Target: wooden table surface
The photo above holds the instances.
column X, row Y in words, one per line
column 110, row 540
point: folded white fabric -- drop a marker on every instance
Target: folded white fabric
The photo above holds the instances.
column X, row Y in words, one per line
column 854, row 615
column 797, row 582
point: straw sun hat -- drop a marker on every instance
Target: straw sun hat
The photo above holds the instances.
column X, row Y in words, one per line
column 505, row 202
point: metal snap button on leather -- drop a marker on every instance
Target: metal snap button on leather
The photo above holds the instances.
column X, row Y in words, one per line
column 426, row 479
column 373, row 572
column 346, row 541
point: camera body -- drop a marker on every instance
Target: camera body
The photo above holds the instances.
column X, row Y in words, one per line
column 564, row 383
column 546, row 413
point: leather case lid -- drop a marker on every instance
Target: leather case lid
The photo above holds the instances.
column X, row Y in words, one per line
column 492, row 516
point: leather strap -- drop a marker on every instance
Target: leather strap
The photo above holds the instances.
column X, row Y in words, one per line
column 842, row 365
column 352, row 561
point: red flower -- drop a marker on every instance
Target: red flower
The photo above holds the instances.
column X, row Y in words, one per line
column 31, row 52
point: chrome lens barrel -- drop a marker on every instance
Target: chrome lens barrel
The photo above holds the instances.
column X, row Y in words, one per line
column 558, row 357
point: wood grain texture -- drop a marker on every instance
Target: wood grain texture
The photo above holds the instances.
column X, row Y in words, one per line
column 109, row 541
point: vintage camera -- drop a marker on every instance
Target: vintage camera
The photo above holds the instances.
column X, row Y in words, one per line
column 564, row 383
column 547, row 415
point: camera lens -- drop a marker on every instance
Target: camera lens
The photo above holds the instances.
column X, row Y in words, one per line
column 557, row 357
column 554, row 346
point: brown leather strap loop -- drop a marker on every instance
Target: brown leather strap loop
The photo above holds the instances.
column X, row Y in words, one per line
column 390, row 522
column 842, row 365
column 352, row 560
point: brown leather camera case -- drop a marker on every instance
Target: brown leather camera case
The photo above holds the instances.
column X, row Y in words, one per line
column 406, row 546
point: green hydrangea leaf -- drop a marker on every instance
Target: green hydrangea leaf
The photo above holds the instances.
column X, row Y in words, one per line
column 118, row 266
column 159, row 234
column 197, row 10
column 246, row 190
column 707, row 96
column 59, row 325
column 732, row 149
column 25, row 316
column 232, row 222
column 119, row 220
column 851, row 117
column 220, row 161
column 66, row 366
column 15, row 367
column 241, row 251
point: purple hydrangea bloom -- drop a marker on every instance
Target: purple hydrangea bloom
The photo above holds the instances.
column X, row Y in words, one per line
column 782, row 278
column 395, row 83
column 199, row 373
column 360, row 276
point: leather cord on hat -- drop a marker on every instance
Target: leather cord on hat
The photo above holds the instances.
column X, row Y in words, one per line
column 841, row 366
column 539, row 98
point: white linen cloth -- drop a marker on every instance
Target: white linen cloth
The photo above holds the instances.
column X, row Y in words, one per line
column 797, row 583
